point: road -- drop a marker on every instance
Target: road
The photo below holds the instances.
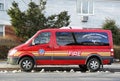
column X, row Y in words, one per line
column 59, row 73
column 60, row 76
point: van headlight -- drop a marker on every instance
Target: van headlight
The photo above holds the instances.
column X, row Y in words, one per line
column 11, row 52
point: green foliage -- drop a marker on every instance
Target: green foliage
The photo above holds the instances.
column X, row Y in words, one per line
column 111, row 25
column 26, row 23
column 17, row 18
column 57, row 21
column 4, row 50
column 116, row 52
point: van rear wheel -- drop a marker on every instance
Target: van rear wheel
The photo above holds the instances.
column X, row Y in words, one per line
column 26, row 64
column 93, row 64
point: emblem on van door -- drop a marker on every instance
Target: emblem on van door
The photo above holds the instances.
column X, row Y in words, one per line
column 41, row 51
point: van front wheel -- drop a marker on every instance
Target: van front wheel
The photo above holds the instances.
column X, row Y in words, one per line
column 93, row 65
column 26, row 64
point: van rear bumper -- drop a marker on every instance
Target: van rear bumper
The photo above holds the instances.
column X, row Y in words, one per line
column 108, row 60
column 12, row 60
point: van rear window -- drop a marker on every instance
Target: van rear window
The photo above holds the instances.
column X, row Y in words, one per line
column 82, row 38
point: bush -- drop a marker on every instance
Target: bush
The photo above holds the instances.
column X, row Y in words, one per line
column 5, row 46
column 3, row 51
column 117, row 52
column 34, row 19
column 110, row 24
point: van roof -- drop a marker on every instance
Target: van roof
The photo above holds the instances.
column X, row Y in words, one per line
column 84, row 30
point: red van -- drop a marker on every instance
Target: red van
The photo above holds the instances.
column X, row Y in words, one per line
column 87, row 48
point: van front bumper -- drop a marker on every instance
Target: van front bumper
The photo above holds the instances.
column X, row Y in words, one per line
column 12, row 60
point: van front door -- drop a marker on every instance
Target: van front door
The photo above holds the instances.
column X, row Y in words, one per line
column 41, row 48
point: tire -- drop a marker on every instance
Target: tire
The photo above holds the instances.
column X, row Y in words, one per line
column 83, row 68
column 93, row 65
column 26, row 64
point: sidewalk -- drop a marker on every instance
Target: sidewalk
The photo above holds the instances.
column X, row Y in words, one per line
column 8, row 67
column 3, row 64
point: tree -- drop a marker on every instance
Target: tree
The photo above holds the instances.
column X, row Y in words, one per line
column 26, row 23
column 111, row 25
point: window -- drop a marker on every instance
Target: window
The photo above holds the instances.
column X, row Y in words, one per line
column 1, row 6
column 82, row 38
column 64, row 38
column 92, row 38
column 42, row 38
column 85, row 7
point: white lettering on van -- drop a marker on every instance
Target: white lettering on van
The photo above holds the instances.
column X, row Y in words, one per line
column 74, row 53
column 94, row 35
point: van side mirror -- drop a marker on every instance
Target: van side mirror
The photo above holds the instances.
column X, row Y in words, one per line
column 35, row 42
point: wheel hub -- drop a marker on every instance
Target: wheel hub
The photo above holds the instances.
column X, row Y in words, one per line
column 94, row 65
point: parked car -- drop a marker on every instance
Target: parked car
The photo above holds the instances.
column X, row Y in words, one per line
column 87, row 48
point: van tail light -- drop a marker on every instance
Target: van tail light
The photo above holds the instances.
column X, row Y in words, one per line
column 112, row 52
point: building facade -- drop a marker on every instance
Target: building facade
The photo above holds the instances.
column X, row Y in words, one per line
column 102, row 9
column 4, row 18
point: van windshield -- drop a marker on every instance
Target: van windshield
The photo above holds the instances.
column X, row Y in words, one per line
column 82, row 38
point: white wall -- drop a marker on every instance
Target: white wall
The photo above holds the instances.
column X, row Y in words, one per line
column 103, row 9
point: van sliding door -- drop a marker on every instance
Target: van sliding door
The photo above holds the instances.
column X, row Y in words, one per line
column 65, row 52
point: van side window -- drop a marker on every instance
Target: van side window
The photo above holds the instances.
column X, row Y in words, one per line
column 42, row 38
column 92, row 38
column 64, row 38
column 82, row 38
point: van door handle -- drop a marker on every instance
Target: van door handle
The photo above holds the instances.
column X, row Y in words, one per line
column 56, row 46
column 49, row 46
